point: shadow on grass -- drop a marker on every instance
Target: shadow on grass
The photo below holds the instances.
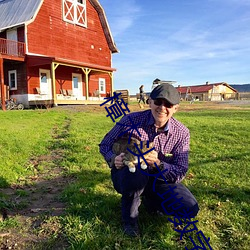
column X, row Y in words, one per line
column 217, row 113
column 231, row 157
column 3, row 182
column 94, row 218
column 228, row 209
column 219, row 189
column 218, row 193
column 32, row 210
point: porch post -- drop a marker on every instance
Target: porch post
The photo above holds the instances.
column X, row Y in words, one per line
column 53, row 84
column 86, row 72
column 2, row 84
column 112, row 83
column 53, row 79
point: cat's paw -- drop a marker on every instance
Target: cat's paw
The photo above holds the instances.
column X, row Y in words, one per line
column 132, row 170
column 143, row 166
column 129, row 164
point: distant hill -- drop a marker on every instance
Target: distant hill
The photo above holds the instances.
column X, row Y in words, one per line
column 241, row 87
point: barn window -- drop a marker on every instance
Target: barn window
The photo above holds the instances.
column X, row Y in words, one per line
column 74, row 11
column 12, row 80
column 102, row 86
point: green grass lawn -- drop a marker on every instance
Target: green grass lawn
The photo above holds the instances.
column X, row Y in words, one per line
column 218, row 176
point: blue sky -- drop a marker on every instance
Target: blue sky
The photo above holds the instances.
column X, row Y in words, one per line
column 188, row 41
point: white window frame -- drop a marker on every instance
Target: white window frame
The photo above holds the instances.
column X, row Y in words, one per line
column 15, row 75
column 102, row 82
column 78, row 16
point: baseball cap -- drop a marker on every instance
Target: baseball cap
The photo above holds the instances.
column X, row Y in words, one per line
column 166, row 91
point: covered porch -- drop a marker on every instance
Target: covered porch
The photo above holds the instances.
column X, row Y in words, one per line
column 61, row 95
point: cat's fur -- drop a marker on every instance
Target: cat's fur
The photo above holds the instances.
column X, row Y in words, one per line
column 130, row 160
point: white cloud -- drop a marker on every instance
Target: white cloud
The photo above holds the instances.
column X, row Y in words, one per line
column 122, row 15
column 210, row 42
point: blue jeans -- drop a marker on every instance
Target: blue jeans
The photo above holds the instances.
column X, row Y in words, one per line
column 134, row 185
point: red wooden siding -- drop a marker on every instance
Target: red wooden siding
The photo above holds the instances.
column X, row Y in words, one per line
column 20, row 34
column 94, row 83
column 21, row 77
column 3, row 34
column 64, row 79
column 51, row 36
column 33, row 78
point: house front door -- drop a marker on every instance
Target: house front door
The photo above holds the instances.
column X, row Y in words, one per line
column 77, row 85
column 45, row 83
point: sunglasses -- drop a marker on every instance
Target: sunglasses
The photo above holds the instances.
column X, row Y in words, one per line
column 159, row 102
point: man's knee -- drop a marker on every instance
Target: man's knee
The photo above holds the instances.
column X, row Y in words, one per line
column 126, row 182
column 177, row 198
column 182, row 210
column 195, row 209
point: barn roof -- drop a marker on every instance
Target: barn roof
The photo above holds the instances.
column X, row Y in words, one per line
column 201, row 88
column 105, row 25
column 18, row 12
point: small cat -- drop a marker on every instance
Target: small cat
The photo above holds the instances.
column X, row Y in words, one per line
column 130, row 160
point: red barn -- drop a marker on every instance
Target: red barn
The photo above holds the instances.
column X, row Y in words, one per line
column 208, row 92
column 56, row 52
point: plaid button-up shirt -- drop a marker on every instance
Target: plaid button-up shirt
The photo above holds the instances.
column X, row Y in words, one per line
column 172, row 144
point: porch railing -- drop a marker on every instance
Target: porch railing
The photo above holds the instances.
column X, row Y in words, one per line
column 12, row 48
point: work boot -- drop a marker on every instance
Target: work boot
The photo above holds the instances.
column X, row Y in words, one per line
column 131, row 230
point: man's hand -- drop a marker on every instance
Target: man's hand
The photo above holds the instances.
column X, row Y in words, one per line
column 152, row 157
column 118, row 161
